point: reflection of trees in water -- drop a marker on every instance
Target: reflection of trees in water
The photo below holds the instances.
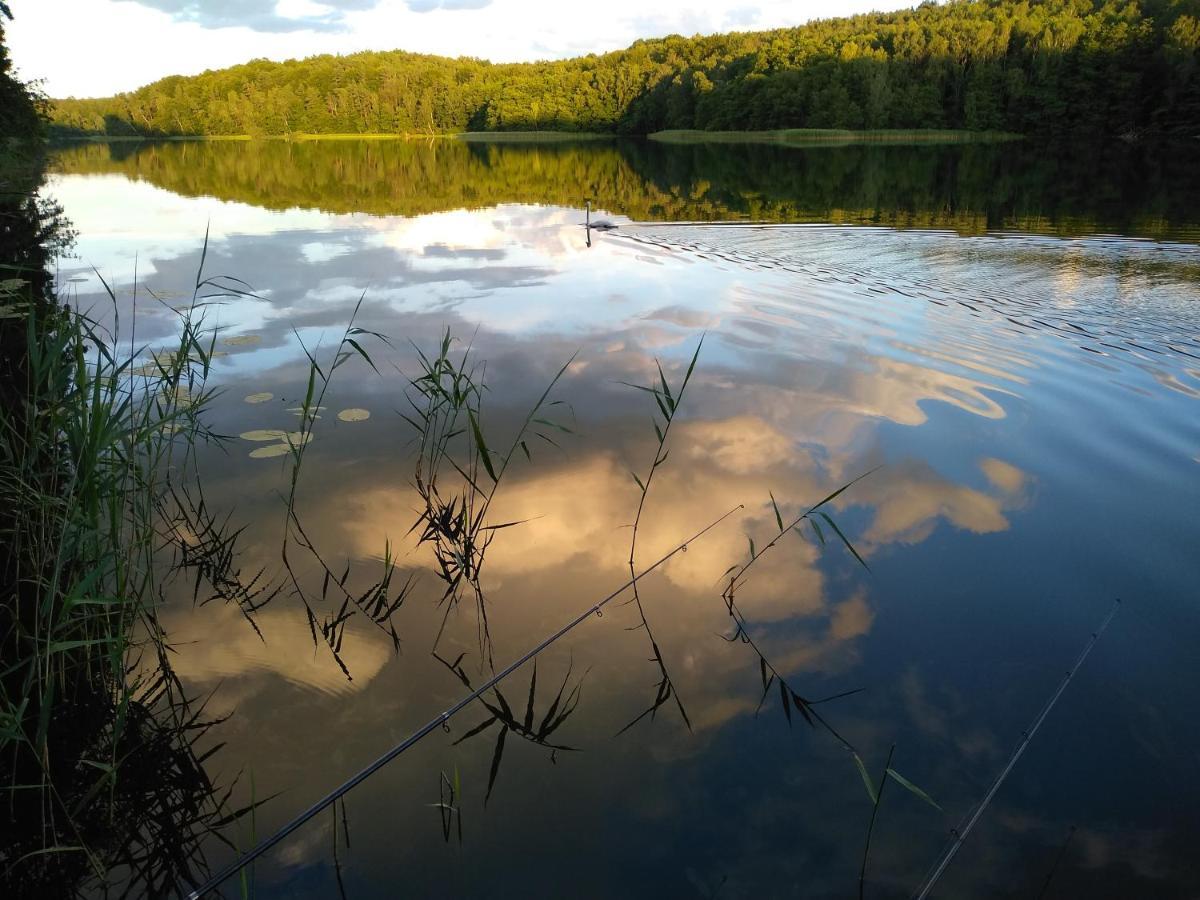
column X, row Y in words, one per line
column 1144, row 190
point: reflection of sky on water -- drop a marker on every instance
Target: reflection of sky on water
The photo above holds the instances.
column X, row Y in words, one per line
column 1025, row 479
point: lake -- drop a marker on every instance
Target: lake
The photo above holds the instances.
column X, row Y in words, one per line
column 999, row 342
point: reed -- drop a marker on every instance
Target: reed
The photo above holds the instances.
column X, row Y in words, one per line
column 457, row 474
column 667, row 402
column 96, row 432
column 330, row 610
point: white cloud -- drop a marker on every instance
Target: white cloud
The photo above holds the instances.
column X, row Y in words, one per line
column 98, row 47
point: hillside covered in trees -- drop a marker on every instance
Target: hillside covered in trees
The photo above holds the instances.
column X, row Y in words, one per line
column 1037, row 66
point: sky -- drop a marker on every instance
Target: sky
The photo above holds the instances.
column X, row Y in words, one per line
column 90, row 48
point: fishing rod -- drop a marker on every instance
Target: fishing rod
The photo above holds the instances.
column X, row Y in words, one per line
column 960, row 834
column 439, row 720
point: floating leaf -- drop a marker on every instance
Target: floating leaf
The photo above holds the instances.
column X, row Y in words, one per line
column 77, row 279
column 263, row 434
column 270, row 450
column 354, row 415
column 242, row 340
column 261, row 397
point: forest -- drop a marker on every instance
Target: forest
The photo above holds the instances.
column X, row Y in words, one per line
column 1045, row 67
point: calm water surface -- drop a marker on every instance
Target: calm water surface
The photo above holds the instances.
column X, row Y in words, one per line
column 1013, row 346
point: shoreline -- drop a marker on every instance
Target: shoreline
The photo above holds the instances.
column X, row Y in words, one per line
column 787, row 137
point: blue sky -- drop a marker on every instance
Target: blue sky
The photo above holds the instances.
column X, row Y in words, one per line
column 97, row 47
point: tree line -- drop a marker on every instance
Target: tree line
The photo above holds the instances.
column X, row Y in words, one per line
column 1033, row 66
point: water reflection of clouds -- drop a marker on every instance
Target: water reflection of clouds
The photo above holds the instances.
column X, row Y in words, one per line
column 800, row 386
column 239, row 658
column 574, row 505
column 784, row 422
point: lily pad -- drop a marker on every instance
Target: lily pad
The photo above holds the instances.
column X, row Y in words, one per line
column 354, row 415
column 263, row 434
column 269, row 451
column 242, row 340
column 261, row 397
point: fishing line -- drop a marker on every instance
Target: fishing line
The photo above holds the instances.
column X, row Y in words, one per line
column 960, row 833
column 436, row 722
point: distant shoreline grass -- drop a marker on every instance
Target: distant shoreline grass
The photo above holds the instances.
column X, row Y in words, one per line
column 532, row 137
column 798, row 137
column 825, row 136
column 512, row 137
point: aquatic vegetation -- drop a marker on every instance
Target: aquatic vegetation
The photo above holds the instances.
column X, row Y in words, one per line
column 447, row 413
column 263, row 434
column 353, row 415
column 448, row 806
column 260, row 397
column 87, row 453
column 530, row 727
column 667, row 402
column 271, row 452
column 377, row 603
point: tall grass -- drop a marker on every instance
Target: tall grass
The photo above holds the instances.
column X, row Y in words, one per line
column 380, row 602
column 667, row 402
column 457, row 474
column 88, row 453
